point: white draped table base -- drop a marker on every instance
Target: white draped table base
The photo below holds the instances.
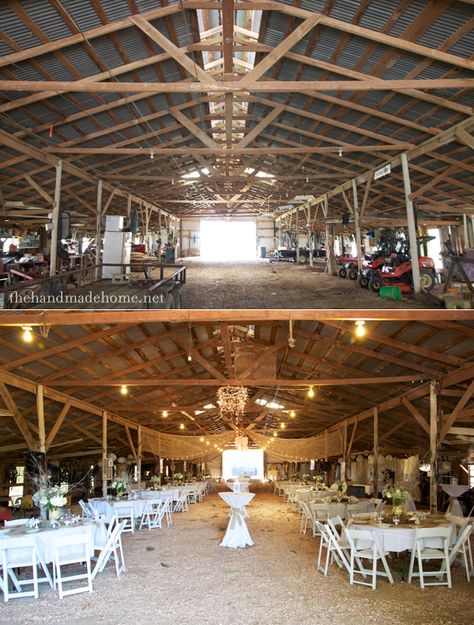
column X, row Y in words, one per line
column 237, row 533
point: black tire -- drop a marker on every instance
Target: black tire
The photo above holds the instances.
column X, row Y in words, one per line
column 303, row 259
column 352, row 273
column 363, row 281
column 427, row 280
column 342, row 273
column 375, row 284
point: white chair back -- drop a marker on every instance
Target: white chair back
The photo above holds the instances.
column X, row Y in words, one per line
column 72, row 550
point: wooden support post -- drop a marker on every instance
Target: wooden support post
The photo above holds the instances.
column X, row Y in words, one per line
column 40, row 414
column 53, row 258
column 98, row 227
column 357, row 225
column 433, row 447
column 466, row 232
column 297, row 218
column 139, row 454
column 104, row 454
column 326, row 444
column 376, row 453
column 411, row 224
column 129, row 206
column 344, row 473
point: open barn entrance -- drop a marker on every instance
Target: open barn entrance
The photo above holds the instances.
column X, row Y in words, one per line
column 228, row 240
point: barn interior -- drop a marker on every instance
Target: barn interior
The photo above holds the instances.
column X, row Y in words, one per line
column 293, row 137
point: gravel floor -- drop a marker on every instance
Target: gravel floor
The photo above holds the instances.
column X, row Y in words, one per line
column 180, row 575
column 260, row 284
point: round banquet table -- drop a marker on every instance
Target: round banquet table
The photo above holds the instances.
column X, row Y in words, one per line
column 45, row 537
column 237, row 533
column 398, row 538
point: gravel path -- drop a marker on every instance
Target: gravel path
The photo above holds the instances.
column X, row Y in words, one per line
column 180, row 576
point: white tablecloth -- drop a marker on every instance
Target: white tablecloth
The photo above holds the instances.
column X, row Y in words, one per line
column 454, row 491
column 343, row 509
column 44, row 538
column 239, row 487
column 397, row 539
column 237, row 533
column 108, row 508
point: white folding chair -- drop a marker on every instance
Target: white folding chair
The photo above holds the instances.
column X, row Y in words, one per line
column 72, row 550
column 21, row 553
column 126, row 513
column 87, row 510
column 333, row 552
column 181, row 503
column 168, row 508
column 423, row 553
column 461, row 548
column 306, row 517
column 16, row 522
column 113, row 547
column 152, row 515
column 356, row 508
column 365, row 546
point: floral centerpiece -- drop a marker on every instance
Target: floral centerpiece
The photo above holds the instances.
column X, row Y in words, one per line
column 305, row 477
column 51, row 498
column 121, row 485
column 398, row 495
column 178, row 477
column 339, row 487
column 155, row 482
column 318, row 481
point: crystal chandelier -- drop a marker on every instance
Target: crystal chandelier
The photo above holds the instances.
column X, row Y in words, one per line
column 232, row 400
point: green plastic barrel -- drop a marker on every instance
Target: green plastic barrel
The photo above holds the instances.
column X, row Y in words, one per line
column 390, row 292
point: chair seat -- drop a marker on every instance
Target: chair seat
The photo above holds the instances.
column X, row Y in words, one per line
column 431, row 552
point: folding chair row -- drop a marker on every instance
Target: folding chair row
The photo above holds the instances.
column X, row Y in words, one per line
column 21, row 553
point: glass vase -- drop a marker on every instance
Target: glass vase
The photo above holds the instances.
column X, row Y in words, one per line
column 53, row 514
column 397, row 509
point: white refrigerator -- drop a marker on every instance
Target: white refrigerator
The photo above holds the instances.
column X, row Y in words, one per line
column 117, row 248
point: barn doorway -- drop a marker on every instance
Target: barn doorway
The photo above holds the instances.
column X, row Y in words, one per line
column 228, row 240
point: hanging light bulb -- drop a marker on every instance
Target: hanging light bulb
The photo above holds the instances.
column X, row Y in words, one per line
column 181, row 426
column 124, row 389
column 202, row 439
column 282, row 426
column 360, row 329
column 190, row 358
column 275, row 434
column 310, row 392
column 292, row 414
column 164, row 414
column 339, row 153
column 27, row 334
column 152, row 156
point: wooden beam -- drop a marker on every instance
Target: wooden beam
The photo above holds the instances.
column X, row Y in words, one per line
column 433, row 447
column 412, row 233
column 282, row 48
column 176, row 53
column 468, row 393
column 194, row 129
column 375, row 466
column 242, row 86
column 104, row 453
column 217, row 381
column 266, row 121
column 224, row 330
column 57, row 425
column 40, row 415
column 416, row 415
column 465, row 137
column 53, row 263
column 130, row 442
column 39, row 190
column 20, row 421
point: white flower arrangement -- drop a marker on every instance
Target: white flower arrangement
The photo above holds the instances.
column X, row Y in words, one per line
column 120, row 484
column 178, row 477
column 396, row 493
column 318, row 479
column 155, row 481
column 50, row 497
column 339, row 486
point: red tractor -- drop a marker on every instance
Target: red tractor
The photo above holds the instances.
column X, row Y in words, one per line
column 373, row 261
column 398, row 271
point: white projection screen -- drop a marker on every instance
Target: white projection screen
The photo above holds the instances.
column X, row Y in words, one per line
column 248, row 463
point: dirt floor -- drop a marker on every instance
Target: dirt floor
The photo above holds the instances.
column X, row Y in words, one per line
column 180, row 575
column 261, row 284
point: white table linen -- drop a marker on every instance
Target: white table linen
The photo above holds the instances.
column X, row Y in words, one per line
column 45, row 537
column 237, row 533
column 397, row 538
column 107, row 509
column 454, row 491
column 239, row 486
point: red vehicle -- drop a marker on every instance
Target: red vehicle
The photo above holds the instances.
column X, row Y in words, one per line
column 399, row 272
